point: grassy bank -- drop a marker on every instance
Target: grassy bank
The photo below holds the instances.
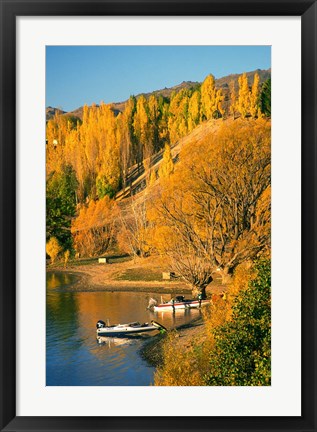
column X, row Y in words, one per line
column 184, row 336
column 121, row 273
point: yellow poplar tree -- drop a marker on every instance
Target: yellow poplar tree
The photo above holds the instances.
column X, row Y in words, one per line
column 233, row 99
column 208, row 97
column 244, row 97
column 167, row 164
column 108, row 175
column 141, row 129
column 154, row 123
column 254, row 96
column 193, row 111
column 219, row 109
column 178, row 114
column 152, row 179
column 125, row 137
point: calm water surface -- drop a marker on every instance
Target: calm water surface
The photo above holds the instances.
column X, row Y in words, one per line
column 73, row 354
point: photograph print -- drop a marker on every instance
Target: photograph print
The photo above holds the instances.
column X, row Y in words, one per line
column 158, row 215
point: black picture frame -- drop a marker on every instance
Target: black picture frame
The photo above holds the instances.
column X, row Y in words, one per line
column 307, row 10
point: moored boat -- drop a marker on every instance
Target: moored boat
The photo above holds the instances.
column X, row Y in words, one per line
column 177, row 303
column 127, row 329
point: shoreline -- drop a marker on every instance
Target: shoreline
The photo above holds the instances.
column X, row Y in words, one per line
column 87, row 282
column 186, row 333
column 128, row 276
column 91, row 277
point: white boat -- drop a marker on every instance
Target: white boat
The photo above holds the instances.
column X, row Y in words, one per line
column 177, row 303
column 126, row 329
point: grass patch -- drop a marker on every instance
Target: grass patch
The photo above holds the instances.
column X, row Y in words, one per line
column 140, row 274
column 112, row 259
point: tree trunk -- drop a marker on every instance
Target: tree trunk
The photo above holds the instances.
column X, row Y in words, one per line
column 203, row 293
column 199, row 290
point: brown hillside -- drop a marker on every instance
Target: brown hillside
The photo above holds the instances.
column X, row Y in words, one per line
column 50, row 112
column 137, row 175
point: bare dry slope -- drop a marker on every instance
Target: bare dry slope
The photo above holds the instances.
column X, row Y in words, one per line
column 137, row 175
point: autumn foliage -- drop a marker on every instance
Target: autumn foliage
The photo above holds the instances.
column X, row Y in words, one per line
column 214, row 211
column 205, row 210
column 219, row 218
column 94, row 228
column 104, row 145
column 53, row 248
column 235, row 347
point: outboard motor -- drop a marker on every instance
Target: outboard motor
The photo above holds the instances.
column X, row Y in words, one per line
column 100, row 324
column 152, row 303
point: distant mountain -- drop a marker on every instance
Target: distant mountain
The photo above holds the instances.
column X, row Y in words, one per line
column 79, row 111
column 50, row 112
column 264, row 74
column 166, row 92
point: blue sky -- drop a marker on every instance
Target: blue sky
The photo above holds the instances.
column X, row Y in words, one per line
column 78, row 75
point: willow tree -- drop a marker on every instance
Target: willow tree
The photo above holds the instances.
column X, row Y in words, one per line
column 214, row 212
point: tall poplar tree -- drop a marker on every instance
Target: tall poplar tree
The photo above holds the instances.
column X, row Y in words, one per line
column 208, row 97
column 167, row 164
column 141, row 129
column 255, row 96
column 266, row 98
column 233, row 99
column 154, row 114
column 194, row 110
column 244, row 96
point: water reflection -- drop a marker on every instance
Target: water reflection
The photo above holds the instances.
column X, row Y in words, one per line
column 59, row 280
column 175, row 318
column 74, row 355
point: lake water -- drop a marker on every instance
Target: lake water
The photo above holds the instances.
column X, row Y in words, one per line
column 74, row 357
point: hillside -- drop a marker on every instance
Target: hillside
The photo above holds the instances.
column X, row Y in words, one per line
column 137, row 176
column 50, row 112
column 166, row 92
column 224, row 81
